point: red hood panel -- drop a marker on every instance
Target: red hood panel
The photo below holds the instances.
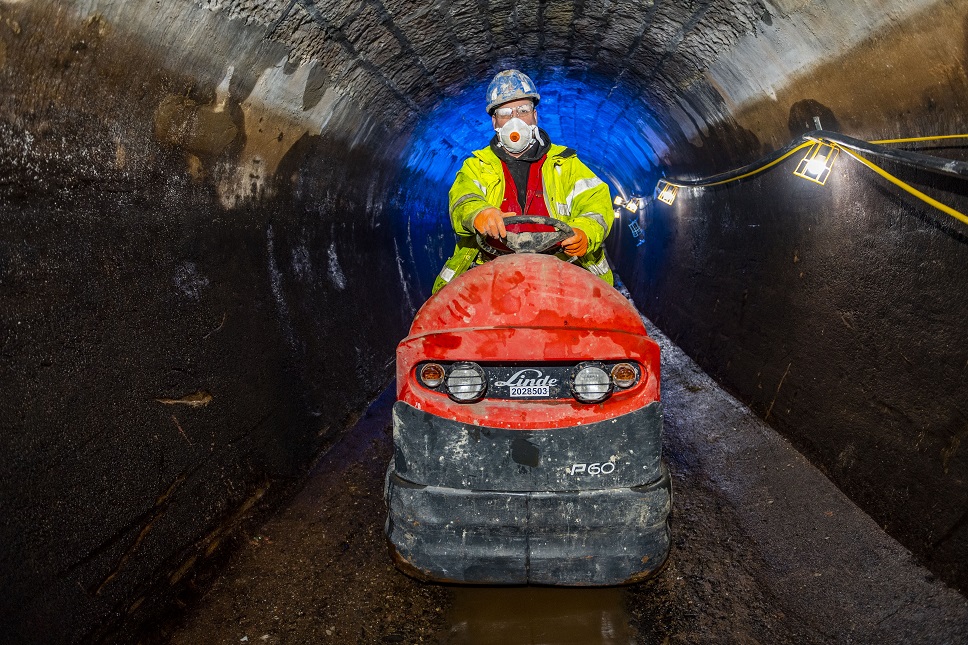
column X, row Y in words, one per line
column 527, row 309
column 527, row 290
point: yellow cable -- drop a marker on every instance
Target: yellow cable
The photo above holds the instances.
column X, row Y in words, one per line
column 908, row 188
column 749, row 174
column 915, row 139
column 891, row 178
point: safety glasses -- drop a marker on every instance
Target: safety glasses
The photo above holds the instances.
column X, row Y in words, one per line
column 519, row 111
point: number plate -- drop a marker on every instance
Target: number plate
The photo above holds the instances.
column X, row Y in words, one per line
column 530, row 390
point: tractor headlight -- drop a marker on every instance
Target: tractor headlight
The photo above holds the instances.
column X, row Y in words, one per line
column 591, row 383
column 466, row 382
column 431, row 374
column 624, row 375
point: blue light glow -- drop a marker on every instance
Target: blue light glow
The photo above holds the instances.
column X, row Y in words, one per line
column 612, row 130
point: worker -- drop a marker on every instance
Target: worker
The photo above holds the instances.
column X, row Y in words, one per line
column 522, row 173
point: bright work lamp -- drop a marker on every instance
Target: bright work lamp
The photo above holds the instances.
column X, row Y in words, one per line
column 635, row 204
column 466, row 382
column 591, row 383
column 632, row 204
column 817, row 163
column 667, row 192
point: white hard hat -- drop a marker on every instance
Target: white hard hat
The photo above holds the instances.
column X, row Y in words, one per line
column 510, row 85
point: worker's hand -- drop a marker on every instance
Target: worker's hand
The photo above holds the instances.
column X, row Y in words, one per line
column 577, row 244
column 490, row 222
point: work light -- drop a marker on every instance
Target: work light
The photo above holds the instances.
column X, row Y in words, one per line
column 466, row 382
column 591, row 383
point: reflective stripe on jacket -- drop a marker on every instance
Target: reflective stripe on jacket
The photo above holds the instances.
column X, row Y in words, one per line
column 572, row 194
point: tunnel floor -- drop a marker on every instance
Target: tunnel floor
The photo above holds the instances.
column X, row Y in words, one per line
column 765, row 550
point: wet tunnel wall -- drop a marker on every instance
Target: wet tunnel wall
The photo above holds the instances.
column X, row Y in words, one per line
column 189, row 227
column 219, row 217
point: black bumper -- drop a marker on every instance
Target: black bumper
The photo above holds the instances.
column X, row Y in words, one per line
column 547, row 521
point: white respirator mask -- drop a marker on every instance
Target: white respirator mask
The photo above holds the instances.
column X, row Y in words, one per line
column 516, row 135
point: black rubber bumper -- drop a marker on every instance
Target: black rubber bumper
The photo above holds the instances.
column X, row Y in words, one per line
column 582, row 534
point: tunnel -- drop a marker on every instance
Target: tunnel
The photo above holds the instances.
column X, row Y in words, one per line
column 220, row 216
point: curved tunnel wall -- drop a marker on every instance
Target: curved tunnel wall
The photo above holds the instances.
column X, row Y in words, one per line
column 835, row 311
column 190, row 224
column 216, row 222
column 836, row 319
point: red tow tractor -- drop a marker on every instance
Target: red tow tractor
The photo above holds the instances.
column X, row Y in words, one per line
column 527, row 427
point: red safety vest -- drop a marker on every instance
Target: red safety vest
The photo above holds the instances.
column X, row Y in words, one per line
column 534, row 197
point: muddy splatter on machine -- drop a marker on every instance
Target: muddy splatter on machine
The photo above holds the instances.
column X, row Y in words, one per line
column 527, row 433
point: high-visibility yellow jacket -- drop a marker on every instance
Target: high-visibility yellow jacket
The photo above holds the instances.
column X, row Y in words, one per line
column 572, row 194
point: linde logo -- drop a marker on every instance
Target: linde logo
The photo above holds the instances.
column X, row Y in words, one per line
column 519, row 379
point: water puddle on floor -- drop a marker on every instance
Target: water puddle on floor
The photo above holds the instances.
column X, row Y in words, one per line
column 538, row 616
